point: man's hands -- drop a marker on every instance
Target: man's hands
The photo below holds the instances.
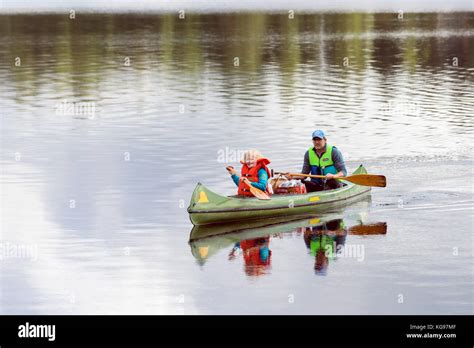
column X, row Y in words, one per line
column 334, row 176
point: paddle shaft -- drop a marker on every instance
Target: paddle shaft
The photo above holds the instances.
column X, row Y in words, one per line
column 311, row 175
column 359, row 179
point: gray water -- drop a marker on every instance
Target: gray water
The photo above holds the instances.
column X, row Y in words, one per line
column 109, row 121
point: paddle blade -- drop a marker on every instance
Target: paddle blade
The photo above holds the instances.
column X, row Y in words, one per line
column 258, row 193
column 367, row 180
column 371, row 229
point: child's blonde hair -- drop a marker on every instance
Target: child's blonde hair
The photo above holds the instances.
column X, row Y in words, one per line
column 250, row 155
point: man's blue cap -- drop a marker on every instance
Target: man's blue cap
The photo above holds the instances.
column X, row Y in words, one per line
column 318, row 134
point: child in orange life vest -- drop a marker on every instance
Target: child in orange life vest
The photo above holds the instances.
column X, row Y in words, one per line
column 254, row 171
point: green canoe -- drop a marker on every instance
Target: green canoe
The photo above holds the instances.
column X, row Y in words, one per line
column 207, row 207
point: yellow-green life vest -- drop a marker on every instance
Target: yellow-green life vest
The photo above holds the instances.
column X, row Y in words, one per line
column 321, row 165
column 324, row 244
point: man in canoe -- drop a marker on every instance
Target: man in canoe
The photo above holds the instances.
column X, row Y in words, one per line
column 254, row 172
column 323, row 159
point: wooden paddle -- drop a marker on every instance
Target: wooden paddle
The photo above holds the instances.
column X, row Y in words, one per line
column 376, row 228
column 358, row 179
column 253, row 190
column 370, row 229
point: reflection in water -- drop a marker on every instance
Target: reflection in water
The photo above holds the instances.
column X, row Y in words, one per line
column 159, row 73
column 324, row 236
column 256, row 253
column 324, row 242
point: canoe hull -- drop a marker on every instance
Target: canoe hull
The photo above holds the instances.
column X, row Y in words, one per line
column 207, row 207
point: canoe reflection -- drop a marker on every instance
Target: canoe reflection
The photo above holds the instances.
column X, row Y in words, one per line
column 324, row 237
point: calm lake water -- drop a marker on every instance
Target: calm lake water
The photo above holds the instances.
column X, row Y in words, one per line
column 109, row 121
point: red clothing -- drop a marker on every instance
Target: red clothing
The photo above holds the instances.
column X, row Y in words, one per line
column 252, row 175
column 251, row 252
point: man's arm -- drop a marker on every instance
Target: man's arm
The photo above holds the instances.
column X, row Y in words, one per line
column 306, row 167
column 338, row 163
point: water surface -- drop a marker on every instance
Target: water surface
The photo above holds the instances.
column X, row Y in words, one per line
column 108, row 122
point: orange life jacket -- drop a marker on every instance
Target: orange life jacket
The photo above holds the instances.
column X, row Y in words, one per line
column 251, row 252
column 252, row 175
